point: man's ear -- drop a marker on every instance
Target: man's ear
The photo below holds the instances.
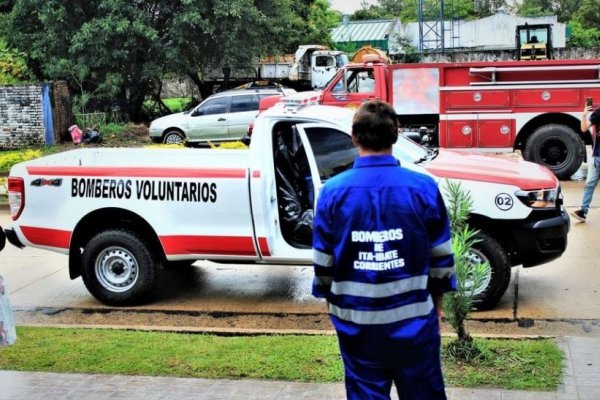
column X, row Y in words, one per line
column 354, row 140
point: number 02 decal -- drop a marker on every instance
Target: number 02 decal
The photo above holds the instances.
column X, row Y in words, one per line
column 504, row 201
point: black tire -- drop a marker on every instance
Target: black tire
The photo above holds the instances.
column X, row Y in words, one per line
column 119, row 269
column 487, row 249
column 173, row 137
column 557, row 147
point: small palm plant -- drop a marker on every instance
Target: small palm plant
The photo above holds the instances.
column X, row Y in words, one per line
column 469, row 275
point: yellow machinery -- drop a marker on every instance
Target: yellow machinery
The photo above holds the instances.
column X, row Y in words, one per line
column 534, row 42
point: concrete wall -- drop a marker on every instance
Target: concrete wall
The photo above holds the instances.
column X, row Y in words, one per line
column 496, row 32
column 509, row 55
column 21, row 115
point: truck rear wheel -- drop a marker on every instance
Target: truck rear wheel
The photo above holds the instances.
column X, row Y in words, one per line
column 496, row 281
column 119, row 269
column 556, row 146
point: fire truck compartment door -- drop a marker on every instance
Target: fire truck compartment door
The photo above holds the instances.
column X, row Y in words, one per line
column 416, row 91
column 478, row 99
column 547, row 98
column 480, row 132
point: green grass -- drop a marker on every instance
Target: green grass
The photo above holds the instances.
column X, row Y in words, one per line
column 178, row 104
column 174, row 104
column 509, row 364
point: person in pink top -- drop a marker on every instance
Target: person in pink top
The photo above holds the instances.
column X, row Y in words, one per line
column 76, row 134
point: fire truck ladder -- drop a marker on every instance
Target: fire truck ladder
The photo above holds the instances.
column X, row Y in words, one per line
column 490, row 74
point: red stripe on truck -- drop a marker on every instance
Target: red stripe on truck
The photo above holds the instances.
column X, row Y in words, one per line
column 221, row 245
column 176, row 244
column 47, row 237
column 263, row 244
column 145, row 172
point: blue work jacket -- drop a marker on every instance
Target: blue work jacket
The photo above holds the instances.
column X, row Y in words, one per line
column 382, row 246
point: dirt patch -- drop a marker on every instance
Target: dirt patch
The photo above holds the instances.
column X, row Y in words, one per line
column 182, row 321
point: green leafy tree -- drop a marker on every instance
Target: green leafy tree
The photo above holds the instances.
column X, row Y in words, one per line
column 563, row 9
column 535, row 8
column 583, row 37
column 485, row 8
column 320, row 22
column 13, row 68
column 116, row 52
column 385, row 9
column 457, row 9
column 588, row 13
column 371, row 12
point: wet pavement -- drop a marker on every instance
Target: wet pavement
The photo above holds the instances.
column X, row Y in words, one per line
column 558, row 298
column 581, row 381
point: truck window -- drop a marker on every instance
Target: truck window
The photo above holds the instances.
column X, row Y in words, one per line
column 324, row 61
column 360, row 81
column 334, row 151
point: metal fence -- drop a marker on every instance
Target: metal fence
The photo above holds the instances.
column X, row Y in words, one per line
column 100, row 118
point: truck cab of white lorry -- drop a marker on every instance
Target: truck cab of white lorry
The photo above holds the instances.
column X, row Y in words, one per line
column 314, row 64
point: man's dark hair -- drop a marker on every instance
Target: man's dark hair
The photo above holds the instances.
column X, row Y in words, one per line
column 375, row 126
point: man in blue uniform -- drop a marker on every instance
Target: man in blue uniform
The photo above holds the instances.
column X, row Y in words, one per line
column 383, row 260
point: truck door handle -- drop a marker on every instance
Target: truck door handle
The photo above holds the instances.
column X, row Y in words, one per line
column 221, row 119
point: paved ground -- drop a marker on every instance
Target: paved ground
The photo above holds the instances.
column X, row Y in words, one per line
column 581, row 381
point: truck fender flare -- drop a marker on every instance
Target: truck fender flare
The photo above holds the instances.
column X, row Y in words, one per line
column 103, row 219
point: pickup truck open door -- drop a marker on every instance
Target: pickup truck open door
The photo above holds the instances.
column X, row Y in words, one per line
column 328, row 151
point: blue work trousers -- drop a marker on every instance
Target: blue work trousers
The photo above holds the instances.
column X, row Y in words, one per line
column 416, row 371
column 593, row 176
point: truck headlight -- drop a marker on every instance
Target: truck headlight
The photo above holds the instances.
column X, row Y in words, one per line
column 543, row 198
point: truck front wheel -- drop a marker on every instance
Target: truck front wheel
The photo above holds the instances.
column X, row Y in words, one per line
column 556, row 146
column 497, row 277
column 119, row 269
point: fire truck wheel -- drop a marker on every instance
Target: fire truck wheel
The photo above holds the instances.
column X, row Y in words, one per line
column 497, row 277
column 556, row 146
column 173, row 137
column 119, row 269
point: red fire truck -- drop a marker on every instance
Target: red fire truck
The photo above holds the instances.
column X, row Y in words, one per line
column 531, row 106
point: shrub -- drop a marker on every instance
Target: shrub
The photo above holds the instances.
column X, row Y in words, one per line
column 469, row 276
column 12, row 157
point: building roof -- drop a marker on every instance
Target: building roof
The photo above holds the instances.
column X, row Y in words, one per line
column 363, row 31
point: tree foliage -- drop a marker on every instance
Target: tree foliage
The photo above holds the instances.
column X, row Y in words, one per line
column 563, row 9
column 320, row 22
column 13, row 68
column 116, row 52
column 583, row 37
column 408, row 10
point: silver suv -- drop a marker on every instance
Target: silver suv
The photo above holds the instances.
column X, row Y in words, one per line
column 221, row 117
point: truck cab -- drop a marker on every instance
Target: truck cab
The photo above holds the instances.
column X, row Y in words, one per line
column 357, row 83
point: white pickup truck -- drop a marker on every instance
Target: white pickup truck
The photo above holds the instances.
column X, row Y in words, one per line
column 125, row 215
